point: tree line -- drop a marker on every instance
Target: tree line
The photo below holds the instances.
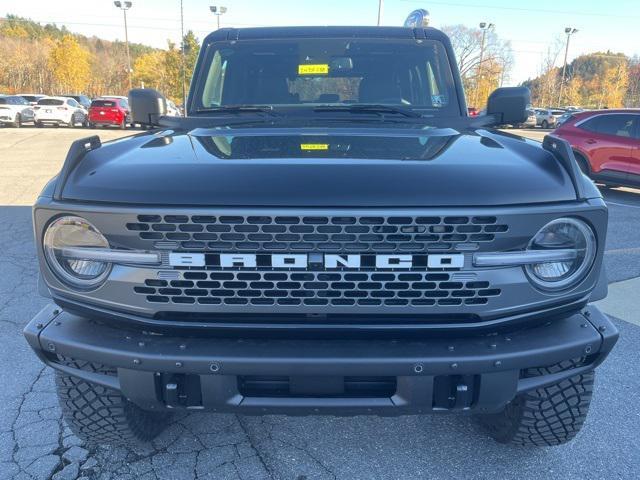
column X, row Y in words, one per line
column 596, row 80
column 49, row 59
column 483, row 68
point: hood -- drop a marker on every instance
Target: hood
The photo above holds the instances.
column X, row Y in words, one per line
column 320, row 168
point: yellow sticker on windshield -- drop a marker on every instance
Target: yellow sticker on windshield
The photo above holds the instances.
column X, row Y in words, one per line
column 319, row 69
column 314, row 146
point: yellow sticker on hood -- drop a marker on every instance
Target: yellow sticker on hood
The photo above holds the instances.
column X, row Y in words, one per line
column 318, row 69
column 314, row 146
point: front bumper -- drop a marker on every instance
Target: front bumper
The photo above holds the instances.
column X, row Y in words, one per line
column 307, row 376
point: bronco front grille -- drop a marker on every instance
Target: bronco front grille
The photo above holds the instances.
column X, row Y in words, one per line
column 264, row 233
column 316, row 289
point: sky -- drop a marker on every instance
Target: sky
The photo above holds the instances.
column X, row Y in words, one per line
column 531, row 26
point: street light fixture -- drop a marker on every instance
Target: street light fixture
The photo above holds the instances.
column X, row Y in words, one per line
column 484, row 26
column 182, row 62
column 218, row 11
column 124, row 6
column 568, row 31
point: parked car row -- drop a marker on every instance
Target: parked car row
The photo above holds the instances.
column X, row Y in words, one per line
column 536, row 117
column 68, row 110
column 606, row 144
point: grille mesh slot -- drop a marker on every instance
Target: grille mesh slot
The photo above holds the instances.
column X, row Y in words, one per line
column 360, row 234
column 339, row 289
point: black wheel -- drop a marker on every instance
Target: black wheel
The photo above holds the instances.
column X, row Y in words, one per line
column 544, row 124
column 72, row 122
column 38, row 124
column 92, row 125
column 18, row 121
column 547, row 416
column 99, row 415
column 583, row 163
column 123, row 124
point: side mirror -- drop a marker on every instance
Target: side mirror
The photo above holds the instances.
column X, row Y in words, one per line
column 147, row 106
column 508, row 105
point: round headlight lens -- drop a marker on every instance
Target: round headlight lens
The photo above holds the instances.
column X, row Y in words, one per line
column 76, row 232
column 565, row 234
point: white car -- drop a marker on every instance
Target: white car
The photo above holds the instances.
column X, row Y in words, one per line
column 172, row 109
column 15, row 110
column 59, row 111
column 548, row 117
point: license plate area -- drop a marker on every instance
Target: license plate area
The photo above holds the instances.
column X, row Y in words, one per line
column 317, row 386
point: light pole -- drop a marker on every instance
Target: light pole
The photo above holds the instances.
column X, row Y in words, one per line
column 124, row 6
column 569, row 31
column 380, row 2
column 218, row 11
column 182, row 65
column 484, row 26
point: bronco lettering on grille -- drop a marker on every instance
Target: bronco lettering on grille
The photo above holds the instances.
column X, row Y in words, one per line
column 327, row 261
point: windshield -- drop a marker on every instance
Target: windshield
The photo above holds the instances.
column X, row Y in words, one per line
column 103, row 103
column 311, row 72
column 50, row 101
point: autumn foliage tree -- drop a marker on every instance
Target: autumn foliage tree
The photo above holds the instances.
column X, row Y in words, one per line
column 69, row 63
column 480, row 78
column 50, row 59
column 596, row 80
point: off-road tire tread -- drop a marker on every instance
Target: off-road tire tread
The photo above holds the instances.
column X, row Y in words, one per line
column 547, row 416
column 100, row 415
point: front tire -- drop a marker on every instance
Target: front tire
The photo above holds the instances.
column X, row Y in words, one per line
column 547, row 416
column 99, row 415
column 583, row 163
column 18, row 121
column 544, row 124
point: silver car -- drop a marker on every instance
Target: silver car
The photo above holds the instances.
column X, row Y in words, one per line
column 548, row 118
column 531, row 120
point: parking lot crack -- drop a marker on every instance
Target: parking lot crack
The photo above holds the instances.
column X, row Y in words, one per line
column 255, row 447
column 19, row 412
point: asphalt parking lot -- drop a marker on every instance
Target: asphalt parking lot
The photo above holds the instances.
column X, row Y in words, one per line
column 35, row 444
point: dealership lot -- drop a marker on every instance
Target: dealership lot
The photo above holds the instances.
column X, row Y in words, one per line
column 35, row 444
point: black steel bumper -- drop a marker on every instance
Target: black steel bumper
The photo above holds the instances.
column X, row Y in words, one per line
column 302, row 376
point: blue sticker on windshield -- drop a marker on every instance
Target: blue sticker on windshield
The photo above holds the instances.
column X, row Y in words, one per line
column 438, row 100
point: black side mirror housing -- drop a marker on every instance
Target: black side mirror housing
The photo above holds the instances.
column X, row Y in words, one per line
column 147, row 106
column 508, row 105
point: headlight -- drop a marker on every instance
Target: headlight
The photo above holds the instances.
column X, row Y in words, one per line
column 564, row 234
column 69, row 232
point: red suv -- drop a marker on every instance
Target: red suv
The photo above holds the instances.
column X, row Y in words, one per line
column 606, row 144
column 109, row 111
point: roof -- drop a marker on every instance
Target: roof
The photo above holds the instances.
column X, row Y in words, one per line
column 323, row 32
column 589, row 113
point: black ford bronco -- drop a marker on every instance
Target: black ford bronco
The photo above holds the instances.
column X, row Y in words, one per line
column 325, row 232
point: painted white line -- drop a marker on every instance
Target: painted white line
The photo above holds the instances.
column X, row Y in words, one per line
column 616, row 251
column 622, row 301
column 621, row 204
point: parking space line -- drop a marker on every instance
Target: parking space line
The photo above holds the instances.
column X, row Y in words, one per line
column 621, row 204
column 622, row 301
column 616, row 251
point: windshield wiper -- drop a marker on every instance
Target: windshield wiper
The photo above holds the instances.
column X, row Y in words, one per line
column 268, row 109
column 370, row 108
